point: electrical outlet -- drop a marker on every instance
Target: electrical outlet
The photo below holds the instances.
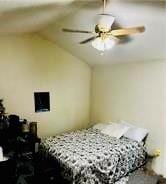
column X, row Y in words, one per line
column 157, row 153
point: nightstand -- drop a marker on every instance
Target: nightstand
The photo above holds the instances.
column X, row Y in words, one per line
column 26, row 145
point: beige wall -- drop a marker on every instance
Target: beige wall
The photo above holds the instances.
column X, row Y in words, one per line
column 29, row 64
column 135, row 93
column 132, row 92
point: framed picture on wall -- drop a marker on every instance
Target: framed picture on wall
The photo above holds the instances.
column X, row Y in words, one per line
column 42, row 101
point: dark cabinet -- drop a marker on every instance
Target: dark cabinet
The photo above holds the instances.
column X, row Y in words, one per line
column 7, row 171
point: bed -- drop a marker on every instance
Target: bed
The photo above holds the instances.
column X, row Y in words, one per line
column 91, row 157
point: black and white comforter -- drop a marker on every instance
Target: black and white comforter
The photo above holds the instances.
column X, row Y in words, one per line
column 90, row 157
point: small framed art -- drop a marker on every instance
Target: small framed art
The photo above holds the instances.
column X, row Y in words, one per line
column 42, row 101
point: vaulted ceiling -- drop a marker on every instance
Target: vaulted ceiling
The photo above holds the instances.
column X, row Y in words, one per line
column 50, row 16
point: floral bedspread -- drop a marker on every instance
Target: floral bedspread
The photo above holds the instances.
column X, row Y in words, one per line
column 90, row 157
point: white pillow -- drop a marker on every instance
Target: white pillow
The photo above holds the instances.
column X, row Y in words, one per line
column 115, row 130
column 100, row 126
column 135, row 133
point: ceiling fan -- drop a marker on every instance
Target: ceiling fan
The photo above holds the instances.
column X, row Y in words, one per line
column 104, row 37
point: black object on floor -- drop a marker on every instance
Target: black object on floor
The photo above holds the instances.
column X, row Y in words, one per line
column 7, row 171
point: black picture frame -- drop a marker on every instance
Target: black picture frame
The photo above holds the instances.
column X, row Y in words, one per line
column 42, row 101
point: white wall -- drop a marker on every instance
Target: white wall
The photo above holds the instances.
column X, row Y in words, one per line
column 135, row 93
column 29, row 64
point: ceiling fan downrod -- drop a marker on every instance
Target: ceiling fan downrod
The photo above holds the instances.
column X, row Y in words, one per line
column 104, row 6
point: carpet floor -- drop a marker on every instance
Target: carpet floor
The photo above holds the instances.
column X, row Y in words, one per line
column 139, row 177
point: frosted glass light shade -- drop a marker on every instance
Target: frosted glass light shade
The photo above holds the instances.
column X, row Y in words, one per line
column 103, row 45
column 106, row 21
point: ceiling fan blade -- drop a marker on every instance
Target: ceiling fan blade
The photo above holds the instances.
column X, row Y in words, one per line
column 89, row 39
column 127, row 31
column 75, row 31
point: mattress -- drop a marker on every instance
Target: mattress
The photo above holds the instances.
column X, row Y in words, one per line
column 89, row 156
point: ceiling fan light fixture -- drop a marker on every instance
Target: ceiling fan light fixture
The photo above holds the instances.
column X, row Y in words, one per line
column 104, row 44
column 104, row 37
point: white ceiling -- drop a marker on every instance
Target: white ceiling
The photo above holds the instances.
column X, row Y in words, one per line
column 50, row 16
column 24, row 16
